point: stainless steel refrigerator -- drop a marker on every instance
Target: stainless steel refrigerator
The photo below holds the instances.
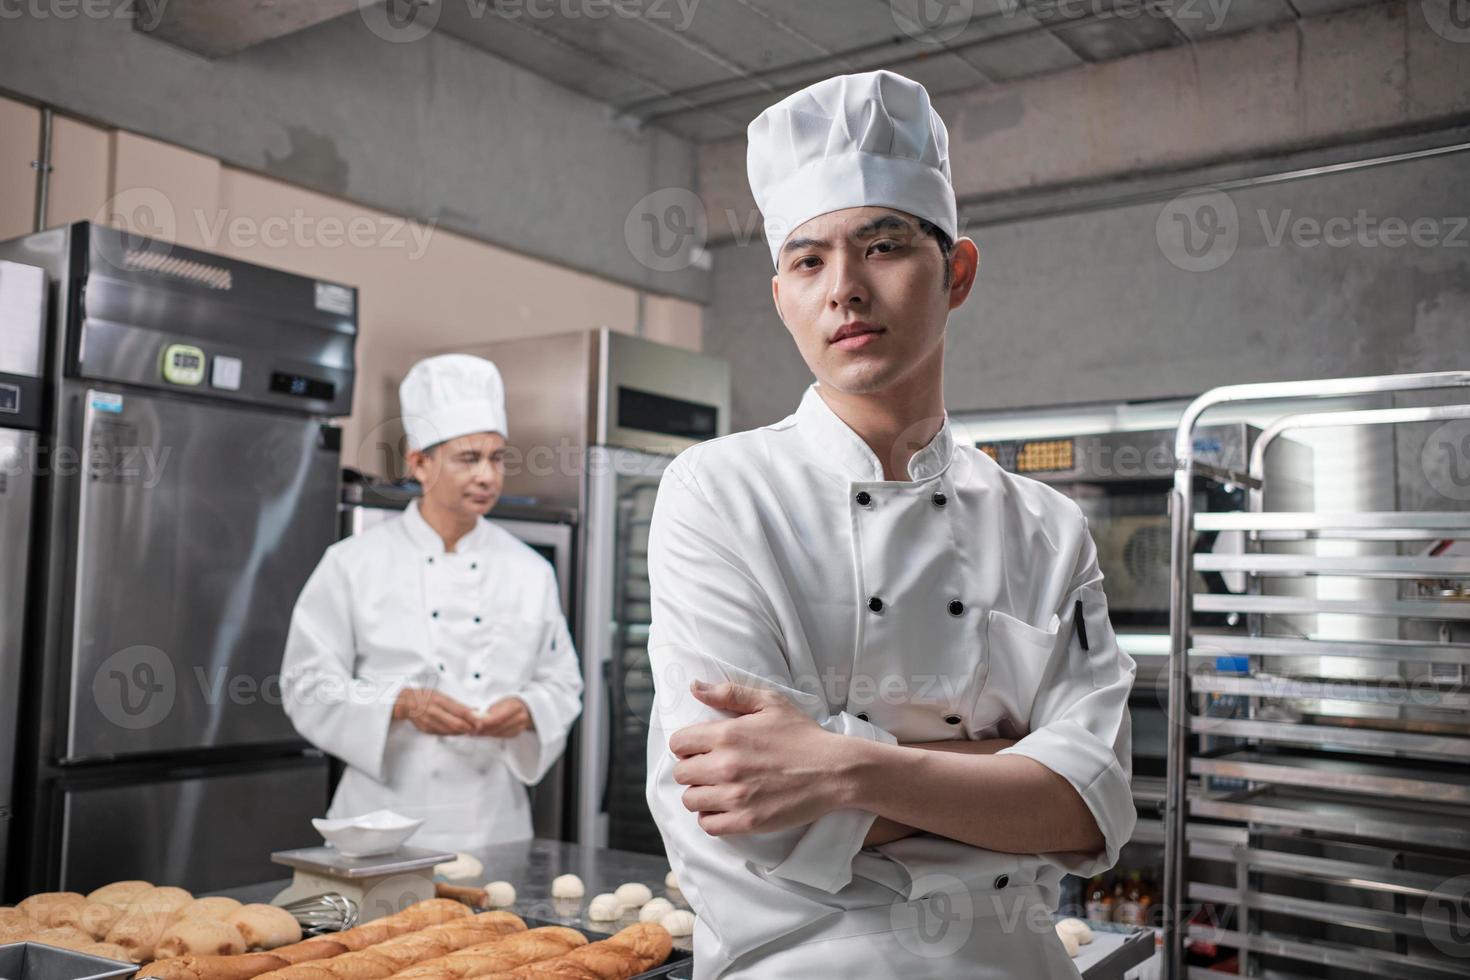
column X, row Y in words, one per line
column 595, row 417
column 186, row 486
column 22, row 336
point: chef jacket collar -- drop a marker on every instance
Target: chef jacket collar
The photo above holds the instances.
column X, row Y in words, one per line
column 836, row 440
column 427, row 540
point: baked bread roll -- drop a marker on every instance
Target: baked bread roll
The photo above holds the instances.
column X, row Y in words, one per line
column 632, row 951
column 196, row 934
column 263, row 926
column 96, row 919
column 67, row 937
column 163, row 897
column 139, row 930
column 106, row 950
column 42, row 908
column 507, row 953
column 217, row 908
column 119, row 892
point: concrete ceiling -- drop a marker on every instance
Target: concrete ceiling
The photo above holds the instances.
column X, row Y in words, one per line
column 705, row 68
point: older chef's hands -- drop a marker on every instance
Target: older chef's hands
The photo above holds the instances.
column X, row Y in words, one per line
column 433, row 712
column 505, row 719
column 767, row 769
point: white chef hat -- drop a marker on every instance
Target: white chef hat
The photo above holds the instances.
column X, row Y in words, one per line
column 851, row 141
column 451, row 395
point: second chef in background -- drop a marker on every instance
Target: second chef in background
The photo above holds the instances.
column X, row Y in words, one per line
column 430, row 653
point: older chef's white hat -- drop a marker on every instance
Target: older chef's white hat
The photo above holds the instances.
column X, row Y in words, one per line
column 868, row 140
column 449, row 396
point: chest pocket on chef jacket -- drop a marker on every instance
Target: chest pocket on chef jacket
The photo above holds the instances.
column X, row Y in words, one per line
column 1018, row 656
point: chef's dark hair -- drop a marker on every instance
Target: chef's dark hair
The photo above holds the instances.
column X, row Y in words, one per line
column 946, row 246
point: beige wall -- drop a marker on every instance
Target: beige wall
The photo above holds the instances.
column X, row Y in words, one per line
column 422, row 290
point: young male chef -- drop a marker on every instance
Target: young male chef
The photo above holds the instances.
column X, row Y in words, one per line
column 891, row 713
column 430, row 653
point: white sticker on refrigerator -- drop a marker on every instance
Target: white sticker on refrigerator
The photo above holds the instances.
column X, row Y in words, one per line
column 106, row 401
column 333, row 298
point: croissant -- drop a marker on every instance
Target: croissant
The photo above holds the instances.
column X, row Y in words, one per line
column 634, row 950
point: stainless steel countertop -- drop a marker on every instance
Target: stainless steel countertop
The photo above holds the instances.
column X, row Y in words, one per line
column 531, row 865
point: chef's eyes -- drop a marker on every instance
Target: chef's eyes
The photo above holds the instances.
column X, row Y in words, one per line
column 885, row 246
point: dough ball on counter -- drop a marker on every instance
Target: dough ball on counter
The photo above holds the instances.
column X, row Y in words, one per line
column 200, row 936
column 671, row 882
column 567, row 886
column 119, row 892
column 1069, row 941
column 655, row 909
column 217, row 908
column 463, row 866
column 502, row 894
column 679, row 923
column 265, row 926
column 605, row 908
column 633, row 894
column 107, row 951
column 47, row 908
column 67, row 937
column 1077, row 928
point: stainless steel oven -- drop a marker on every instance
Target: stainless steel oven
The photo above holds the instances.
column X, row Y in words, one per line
column 1121, row 479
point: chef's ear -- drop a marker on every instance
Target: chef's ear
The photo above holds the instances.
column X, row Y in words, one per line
column 964, row 262
column 420, row 464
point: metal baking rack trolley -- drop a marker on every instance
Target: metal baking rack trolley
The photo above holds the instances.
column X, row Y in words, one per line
column 1321, row 746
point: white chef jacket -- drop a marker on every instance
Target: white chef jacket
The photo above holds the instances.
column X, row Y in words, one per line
column 941, row 607
column 389, row 609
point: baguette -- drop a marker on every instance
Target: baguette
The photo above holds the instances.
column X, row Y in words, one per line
column 632, row 951
column 384, row 959
column 246, row 966
column 503, row 954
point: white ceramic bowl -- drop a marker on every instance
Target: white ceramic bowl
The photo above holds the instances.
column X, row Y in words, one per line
column 379, row 832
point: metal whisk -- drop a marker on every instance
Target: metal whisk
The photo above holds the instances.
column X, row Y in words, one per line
column 327, row 912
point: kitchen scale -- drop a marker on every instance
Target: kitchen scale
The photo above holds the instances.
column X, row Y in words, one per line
column 382, row 885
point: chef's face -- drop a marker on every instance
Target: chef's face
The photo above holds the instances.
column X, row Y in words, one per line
column 463, row 475
column 878, row 272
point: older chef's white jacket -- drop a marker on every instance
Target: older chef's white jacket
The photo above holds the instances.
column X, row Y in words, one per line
column 389, row 609
column 942, row 607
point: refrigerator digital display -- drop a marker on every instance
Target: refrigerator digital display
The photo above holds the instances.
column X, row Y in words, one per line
column 301, row 386
column 10, row 399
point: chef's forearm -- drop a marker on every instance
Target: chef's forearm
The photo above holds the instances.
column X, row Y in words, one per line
column 1007, row 803
column 886, row 831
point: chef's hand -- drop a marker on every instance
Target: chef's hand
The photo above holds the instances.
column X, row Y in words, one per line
column 505, row 719
column 765, row 770
column 434, row 713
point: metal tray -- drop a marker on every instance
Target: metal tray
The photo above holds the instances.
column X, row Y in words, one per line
column 679, row 957
column 37, row 961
